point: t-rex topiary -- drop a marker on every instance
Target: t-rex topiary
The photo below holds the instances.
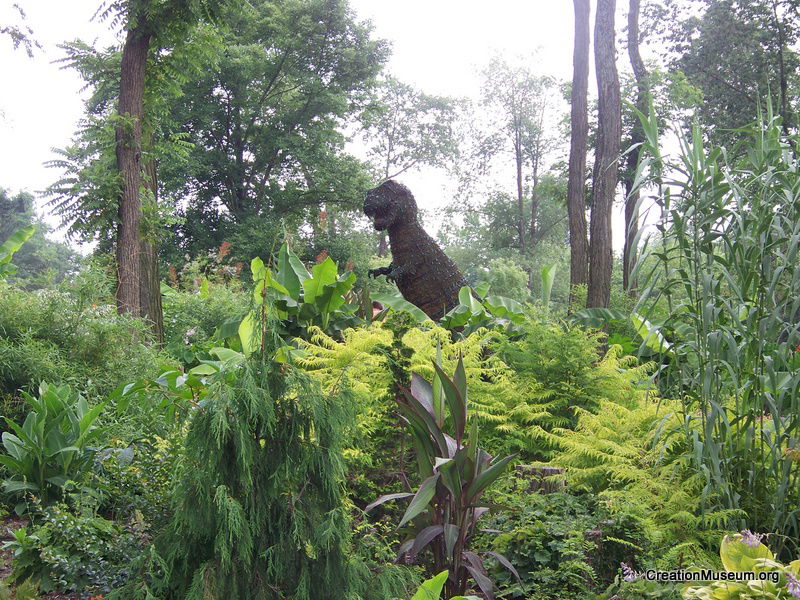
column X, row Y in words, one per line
column 422, row 271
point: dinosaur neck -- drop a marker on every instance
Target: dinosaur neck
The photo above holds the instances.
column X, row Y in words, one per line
column 400, row 233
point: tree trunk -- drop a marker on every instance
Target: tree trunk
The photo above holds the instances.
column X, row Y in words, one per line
column 534, row 215
column 637, row 138
column 784, row 85
column 579, row 119
column 520, row 195
column 128, row 150
column 535, row 159
column 150, row 289
column 604, row 179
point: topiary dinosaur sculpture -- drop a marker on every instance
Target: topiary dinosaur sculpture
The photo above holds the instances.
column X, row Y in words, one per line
column 422, row 271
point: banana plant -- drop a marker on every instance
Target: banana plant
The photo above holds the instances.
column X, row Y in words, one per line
column 474, row 311
column 443, row 512
column 299, row 297
column 10, row 246
column 52, row 446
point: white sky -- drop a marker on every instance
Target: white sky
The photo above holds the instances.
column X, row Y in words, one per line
column 439, row 46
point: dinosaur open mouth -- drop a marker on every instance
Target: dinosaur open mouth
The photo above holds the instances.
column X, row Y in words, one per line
column 379, row 221
column 380, row 218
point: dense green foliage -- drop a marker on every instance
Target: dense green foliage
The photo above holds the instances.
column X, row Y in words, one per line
column 70, row 334
column 730, row 310
column 53, row 444
column 39, row 261
column 529, row 448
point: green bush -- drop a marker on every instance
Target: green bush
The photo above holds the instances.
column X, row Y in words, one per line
column 71, row 335
column 192, row 317
column 73, row 551
column 135, row 481
column 506, row 278
column 562, row 545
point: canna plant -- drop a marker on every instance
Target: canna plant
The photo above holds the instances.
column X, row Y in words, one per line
column 51, row 447
column 455, row 473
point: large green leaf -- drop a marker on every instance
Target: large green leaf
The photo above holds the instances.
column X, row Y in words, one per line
column 458, row 316
column 421, row 499
column 11, row 245
column 652, row 336
column 455, row 402
column 738, row 556
column 332, row 296
column 466, row 298
column 432, row 588
column 323, row 274
column 548, row 278
column 398, row 303
column 505, row 308
column 414, row 409
column 598, row 317
column 248, row 329
column 486, row 477
column 291, row 272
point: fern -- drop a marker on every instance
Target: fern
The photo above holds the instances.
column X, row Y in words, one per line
column 618, row 453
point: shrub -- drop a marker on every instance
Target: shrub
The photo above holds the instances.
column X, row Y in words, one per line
column 259, row 504
column 136, row 480
column 192, row 317
column 69, row 336
column 563, row 545
column 73, row 551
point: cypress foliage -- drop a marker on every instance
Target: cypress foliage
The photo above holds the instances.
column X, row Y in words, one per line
column 259, row 506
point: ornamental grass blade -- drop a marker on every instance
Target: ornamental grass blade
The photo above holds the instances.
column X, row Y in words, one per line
column 455, row 402
column 421, row 499
column 386, row 498
column 506, row 563
column 425, row 537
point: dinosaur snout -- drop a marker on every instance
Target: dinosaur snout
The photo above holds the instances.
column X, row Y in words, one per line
column 375, row 208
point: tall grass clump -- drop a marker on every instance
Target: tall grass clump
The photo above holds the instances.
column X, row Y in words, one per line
column 722, row 272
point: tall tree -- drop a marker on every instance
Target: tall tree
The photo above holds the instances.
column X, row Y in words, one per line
column 129, row 154
column 405, row 129
column 604, row 177
column 636, row 139
column 738, row 52
column 265, row 123
column 518, row 101
column 130, row 91
column 579, row 120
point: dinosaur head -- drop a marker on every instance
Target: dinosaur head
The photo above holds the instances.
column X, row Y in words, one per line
column 390, row 204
